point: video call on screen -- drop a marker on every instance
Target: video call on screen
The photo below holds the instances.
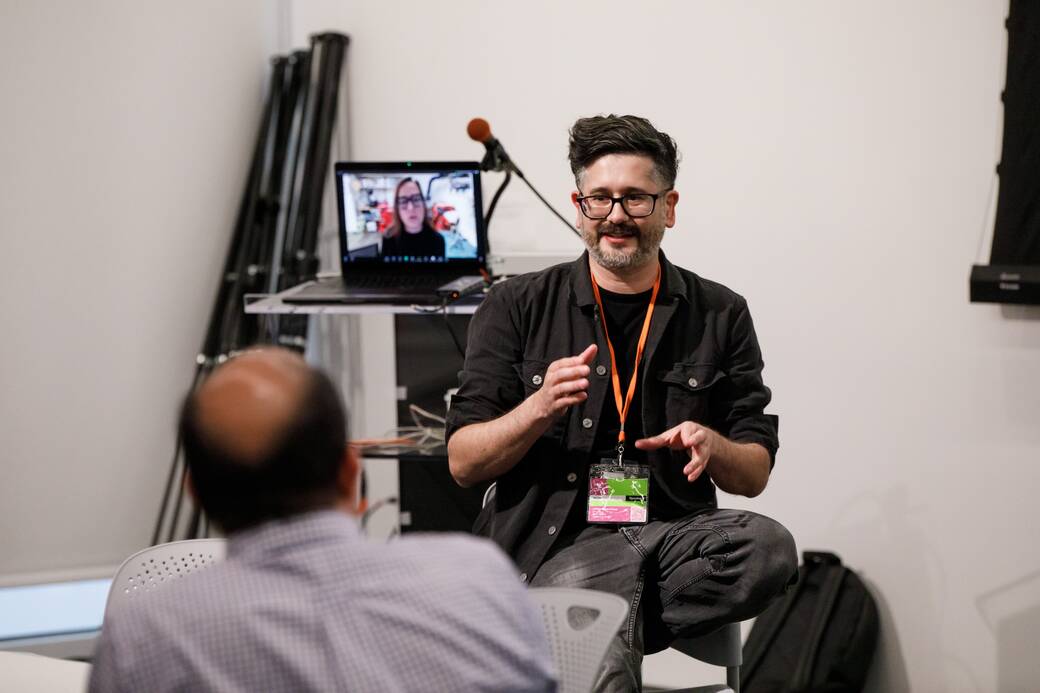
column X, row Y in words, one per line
column 409, row 216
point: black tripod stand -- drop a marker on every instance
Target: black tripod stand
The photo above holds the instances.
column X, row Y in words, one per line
column 273, row 245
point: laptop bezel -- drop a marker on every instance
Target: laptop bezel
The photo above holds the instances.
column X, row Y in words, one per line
column 454, row 267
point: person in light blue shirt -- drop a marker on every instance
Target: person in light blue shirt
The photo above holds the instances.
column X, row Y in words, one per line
column 303, row 601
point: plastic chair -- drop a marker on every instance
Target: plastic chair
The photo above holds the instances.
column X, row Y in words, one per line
column 151, row 568
column 580, row 625
column 721, row 648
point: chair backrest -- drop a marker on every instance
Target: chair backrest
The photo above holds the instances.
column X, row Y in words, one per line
column 151, row 568
column 579, row 624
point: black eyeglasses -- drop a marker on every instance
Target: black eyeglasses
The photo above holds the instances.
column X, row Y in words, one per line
column 415, row 200
column 636, row 205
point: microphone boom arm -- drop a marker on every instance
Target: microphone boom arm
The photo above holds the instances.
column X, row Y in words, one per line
column 497, row 159
column 546, row 203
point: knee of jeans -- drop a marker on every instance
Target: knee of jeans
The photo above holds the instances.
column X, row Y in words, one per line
column 775, row 558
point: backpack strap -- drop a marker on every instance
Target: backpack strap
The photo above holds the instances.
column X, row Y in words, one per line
column 824, row 608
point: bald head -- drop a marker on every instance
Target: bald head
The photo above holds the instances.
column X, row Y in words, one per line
column 245, row 407
column 264, row 437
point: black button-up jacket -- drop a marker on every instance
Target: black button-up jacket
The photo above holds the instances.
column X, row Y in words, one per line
column 702, row 363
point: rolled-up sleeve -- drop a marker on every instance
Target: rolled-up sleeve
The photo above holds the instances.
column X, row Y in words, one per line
column 489, row 385
column 745, row 396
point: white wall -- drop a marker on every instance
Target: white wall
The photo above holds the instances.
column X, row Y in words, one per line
column 838, row 164
column 125, row 136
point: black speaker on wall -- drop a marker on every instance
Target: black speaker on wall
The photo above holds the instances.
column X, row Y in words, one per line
column 1013, row 274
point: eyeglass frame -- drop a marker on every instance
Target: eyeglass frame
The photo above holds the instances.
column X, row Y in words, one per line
column 414, row 200
column 580, row 199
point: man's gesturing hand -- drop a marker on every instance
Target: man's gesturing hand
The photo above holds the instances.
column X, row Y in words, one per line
column 698, row 440
column 565, row 383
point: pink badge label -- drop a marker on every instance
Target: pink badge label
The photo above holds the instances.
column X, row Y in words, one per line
column 616, row 514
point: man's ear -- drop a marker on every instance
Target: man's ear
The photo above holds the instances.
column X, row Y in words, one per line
column 349, row 481
column 671, row 199
column 577, row 209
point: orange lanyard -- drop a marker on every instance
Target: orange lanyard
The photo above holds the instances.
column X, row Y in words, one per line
column 623, row 406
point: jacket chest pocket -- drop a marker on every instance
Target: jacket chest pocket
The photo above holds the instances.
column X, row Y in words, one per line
column 532, row 374
column 688, row 391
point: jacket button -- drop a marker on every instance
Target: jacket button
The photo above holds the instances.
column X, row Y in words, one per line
column 692, row 382
column 601, row 369
column 523, row 577
column 552, row 530
column 586, row 423
column 572, row 477
column 537, row 380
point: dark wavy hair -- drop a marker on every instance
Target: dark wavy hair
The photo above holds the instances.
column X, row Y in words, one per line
column 591, row 138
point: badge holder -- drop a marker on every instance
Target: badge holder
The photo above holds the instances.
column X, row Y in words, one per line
column 619, row 491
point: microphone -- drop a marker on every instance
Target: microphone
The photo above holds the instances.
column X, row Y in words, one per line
column 495, row 159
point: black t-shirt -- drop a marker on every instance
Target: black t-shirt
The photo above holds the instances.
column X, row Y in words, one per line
column 624, row 316
column 426, row 243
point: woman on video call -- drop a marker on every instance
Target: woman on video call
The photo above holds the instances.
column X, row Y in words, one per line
column 411, row 232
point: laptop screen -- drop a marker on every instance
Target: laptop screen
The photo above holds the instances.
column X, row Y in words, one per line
column 403, row 215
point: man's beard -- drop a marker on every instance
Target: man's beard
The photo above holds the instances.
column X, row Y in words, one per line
column 648, row 242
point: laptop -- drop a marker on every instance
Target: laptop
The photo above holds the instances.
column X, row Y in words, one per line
column 406, row 229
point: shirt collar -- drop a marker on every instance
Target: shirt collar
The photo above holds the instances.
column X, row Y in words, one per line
column 672, row 283
column 289, row 534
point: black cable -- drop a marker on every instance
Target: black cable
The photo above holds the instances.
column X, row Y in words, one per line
column 545, row 202
column 372, row 509
column 443, row 310
column 447, row 323
column 494, row 199
column 166, row 494
column 199, row 371
column 172, row 534
column 196, row 522
column 501, row 188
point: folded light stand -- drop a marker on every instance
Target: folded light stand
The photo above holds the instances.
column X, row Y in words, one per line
column 273, row 244
column 299, row 258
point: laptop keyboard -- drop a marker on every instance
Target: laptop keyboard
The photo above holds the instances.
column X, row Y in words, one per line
column 401, row 281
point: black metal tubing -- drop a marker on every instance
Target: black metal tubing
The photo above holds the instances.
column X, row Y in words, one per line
column 282, row 196
column 299, row 261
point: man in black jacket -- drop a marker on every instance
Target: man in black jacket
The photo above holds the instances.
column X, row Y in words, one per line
column 608, row 398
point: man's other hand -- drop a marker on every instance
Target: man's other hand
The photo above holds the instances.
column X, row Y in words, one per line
column 565, row 384
column 699, row 441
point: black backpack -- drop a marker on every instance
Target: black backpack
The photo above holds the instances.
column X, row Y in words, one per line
column 818, row 638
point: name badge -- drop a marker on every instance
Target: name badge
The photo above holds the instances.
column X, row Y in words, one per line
column 619, row 494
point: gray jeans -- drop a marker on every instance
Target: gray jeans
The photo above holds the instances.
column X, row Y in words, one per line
column 682, row 578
